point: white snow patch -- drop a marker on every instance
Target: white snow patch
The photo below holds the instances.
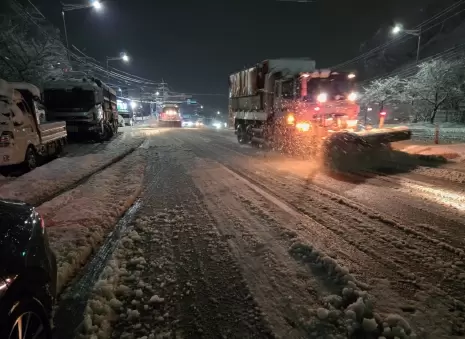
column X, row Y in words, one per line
column 359, row 314
column 55, row 176
column 78, row 220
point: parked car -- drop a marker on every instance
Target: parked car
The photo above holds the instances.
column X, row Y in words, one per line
column 120, row 121
column 28, row 273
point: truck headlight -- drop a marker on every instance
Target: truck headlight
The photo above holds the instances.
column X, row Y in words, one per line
column 352, row 96
column 303, row 126
column 322, row 97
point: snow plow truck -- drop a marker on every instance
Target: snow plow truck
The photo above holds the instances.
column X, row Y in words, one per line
column 290, row 106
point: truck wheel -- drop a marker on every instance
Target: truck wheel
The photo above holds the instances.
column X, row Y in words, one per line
column 242, row 136
column 31, row 159
column 109, row 132
column 102, row 135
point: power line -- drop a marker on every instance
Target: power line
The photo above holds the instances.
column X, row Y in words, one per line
column 404, row 37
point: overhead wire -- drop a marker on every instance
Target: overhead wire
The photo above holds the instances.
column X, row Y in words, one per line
column 404, row 37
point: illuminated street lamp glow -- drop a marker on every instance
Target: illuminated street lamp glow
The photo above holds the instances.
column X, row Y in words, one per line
column 396, row 29
column 97, row 5
column 124, row 57
column 133, row 104
column 218, row 112
column 157, row 93
column 201, row 107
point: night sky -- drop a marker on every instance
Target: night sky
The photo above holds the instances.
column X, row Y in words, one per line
column 194, row 45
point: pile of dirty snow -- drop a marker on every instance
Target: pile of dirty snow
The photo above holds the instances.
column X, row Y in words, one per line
column 78, row 220
column 52, row 178
column 353, row 308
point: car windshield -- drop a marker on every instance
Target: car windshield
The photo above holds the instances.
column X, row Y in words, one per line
column 62, row 100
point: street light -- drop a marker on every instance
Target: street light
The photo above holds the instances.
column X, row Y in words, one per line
column 157, row 93
column 201, row 107
column 218, row 112
column 123, row 56
column 415, row 32
column 97, row 5
column 70, row 7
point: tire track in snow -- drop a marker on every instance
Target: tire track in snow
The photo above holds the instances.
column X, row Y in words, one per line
column 199, row 287
column 457, row 225
column 417, row 266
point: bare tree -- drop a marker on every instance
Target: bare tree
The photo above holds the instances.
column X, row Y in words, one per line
column 435, row 84
column 30, row 50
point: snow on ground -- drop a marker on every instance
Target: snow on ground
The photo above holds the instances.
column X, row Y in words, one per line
column 50, row 179
column 338, row 305
column 452, row 152
column 412, row 270
column 121, row 285
column 78, row 220
column 425, row 132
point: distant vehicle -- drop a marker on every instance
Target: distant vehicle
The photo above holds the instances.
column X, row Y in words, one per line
column 25, row 135
column 125, row 112
column 86, row 104
column 120, row 121
column 170, row 116
column 187, row 122
column 28, row 273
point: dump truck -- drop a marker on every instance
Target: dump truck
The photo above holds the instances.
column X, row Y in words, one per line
column 86, row 104
column 291, row 106
column 26, row 136
column 170, row 116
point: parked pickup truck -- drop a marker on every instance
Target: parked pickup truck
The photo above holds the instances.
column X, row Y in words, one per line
column 25, row 135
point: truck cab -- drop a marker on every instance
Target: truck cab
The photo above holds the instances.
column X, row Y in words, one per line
column 325, row 98
column 86, row 104
column 170, row 116
column 24, row 133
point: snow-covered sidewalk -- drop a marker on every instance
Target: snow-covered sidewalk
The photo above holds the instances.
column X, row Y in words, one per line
column 78, row 220
column 452, row 152
column 52, row 178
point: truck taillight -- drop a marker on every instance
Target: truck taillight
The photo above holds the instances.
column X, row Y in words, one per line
column 6, row 139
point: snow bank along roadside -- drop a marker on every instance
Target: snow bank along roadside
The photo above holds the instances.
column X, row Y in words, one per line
column 48, row 180
column 78, row 220
column 111, row 292
column 451, row 152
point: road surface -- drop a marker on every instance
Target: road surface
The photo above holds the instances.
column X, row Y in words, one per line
column 235, row 242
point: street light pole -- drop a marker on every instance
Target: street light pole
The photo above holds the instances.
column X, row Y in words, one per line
column 66, row 36
column 418, row 45
column 69, row 7
column 123, row 56
column 416, row 32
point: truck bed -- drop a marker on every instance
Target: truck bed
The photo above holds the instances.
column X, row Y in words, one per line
column 50, row 131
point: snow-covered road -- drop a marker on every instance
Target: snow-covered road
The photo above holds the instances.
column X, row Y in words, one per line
column 234, row 242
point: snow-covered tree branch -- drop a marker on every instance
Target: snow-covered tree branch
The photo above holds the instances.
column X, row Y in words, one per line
column 435, row 84
column 30, row 51
column 382, row 91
